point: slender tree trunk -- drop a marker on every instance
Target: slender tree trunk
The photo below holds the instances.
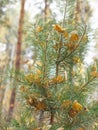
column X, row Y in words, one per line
column 77, row 14
column 46, row 8
column 18, row 58
column 5, row 97
column 19, row 43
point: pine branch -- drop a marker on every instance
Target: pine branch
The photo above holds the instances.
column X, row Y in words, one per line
column 78, row 45
column 83, row 86
column 59, row 51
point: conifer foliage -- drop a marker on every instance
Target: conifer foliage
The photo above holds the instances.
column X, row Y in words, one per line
column 59, row 83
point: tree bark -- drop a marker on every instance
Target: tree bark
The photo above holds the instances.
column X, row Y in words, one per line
column 19, row 43
column 18, row 58
column 45, row 10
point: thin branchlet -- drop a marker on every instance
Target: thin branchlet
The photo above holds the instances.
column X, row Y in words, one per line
column 78, row 44
column 59, row 51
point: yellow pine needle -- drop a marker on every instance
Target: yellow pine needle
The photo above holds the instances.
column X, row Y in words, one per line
column 77, row 106
column 58, row 28
column 74, row 36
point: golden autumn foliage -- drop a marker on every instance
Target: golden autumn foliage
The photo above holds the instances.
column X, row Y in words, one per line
column 94, row 74
column 77, row 106
column 75, row 109
column 74, row 36
column 58, row 28
column 57, row 46
column 29, row 78
column 76, row 60
column 58, row 79
column 36, row 100
column 31, row 101
column 38, row 29
column 72, row 113
column 40, row 106
column 71, row 46
column 33, row 78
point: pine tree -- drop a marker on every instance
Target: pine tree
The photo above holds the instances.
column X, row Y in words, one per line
column 18, row 58
column 59, row 83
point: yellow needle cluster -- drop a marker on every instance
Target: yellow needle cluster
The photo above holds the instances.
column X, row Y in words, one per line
column 76, row 60
column 39, row 105
column 75, row 109
column 58, row 46
column 58, row 28
column 94, row 72
column 77, row 106
column 74, row 36
column 33, row 78
column 39, row 29
column 71, row 46
column 57, row 79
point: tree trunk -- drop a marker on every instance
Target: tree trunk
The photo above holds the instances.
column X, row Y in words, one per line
column 45, row 10
column 7, row 91
column 19, row 43
column 77, row 14
column 18, row 58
